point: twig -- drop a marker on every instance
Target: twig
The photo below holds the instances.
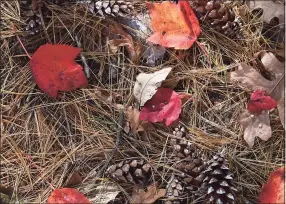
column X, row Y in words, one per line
column 118, row 137
column 83, row 59
column 14, row 29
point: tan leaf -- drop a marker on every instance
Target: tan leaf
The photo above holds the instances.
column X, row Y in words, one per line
column 150, row 196
column 248, row 77
column 255, row 126
column 126, row 40
column 281, row 110
column 146, row 84
column 134, row 122
column 271, row 9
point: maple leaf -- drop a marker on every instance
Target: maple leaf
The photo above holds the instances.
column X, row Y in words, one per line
column 68, row 196
column 274, row 190
column 150, row 196
column 258, row 102
column 54, row 69
column 175, row 25
column 164, row 105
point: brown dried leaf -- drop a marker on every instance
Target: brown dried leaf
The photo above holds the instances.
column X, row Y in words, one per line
column 281, row 110
column 255, row 125
column 36, row 5
column 153, row 53
column 150, row 196
column 134, row 122
column 126, row 41
column 74, row 179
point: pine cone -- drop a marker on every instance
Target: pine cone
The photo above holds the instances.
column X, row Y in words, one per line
column 134, row 171
column 108, row 7
column 175, row 189
column 190, row 162
column 217, row 185
column 219, row 15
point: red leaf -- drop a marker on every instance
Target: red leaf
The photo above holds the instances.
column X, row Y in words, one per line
column 258, row 102
column 54, row 69
column 175, row 25
column 165, row 104
column 273, row 191
column 67, row 195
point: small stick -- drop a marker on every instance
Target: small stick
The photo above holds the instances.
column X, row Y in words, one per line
column 14, row 29
column 83, row 59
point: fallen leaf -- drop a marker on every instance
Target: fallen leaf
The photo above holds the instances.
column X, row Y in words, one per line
column 248, row 77
column 147, row 84
column 126, row 41
column 255, row 125
column 74, row 179
column 67, row 195
column 54, row 69
column 150, row 196
column 164, row 105
column 271, row 9
column 105, row 193
column 153, row 53
column 134, row 122
column 258, row 102
column 175, row 25
column 274, row 190
column 281, row 110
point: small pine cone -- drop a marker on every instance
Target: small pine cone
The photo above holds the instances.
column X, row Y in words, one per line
column 219, row 15
column 134, row 171
column 175, row 189
column 108, row 7
column 217, row 185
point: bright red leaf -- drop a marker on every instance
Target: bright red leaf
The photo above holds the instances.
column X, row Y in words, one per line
column 68, row 196
column 175, row 25
column 258, row 102
column 164, row 105
column 54, row 69
column 274, row 190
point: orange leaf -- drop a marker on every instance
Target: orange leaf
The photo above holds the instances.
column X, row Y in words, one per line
column 273, row 191
column 175, row 25
column 68, row 196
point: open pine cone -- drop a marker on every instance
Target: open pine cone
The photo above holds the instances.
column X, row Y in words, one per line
column 219, row 15
column 134, row 171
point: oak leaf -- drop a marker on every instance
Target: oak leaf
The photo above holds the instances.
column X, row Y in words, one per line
column 54, row 69
column 255, row 125
column 175, row 25
column 274, row 190
column 67, row 196
column 251, row 79
column 165, row 105
column 146, row 85
column 147, row 197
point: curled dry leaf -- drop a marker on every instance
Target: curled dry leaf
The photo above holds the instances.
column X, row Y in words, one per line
column 248, row 77
column 147, row 197
column 271, row 9
column 134, row 122
column 258, row 102
column 165, row 105
column 68, row 196
column 274, row 190
column 54, row 69
column 125, row 40
column 175, row 24
column 73, row 179
column 255, row 125
column 146, row 84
